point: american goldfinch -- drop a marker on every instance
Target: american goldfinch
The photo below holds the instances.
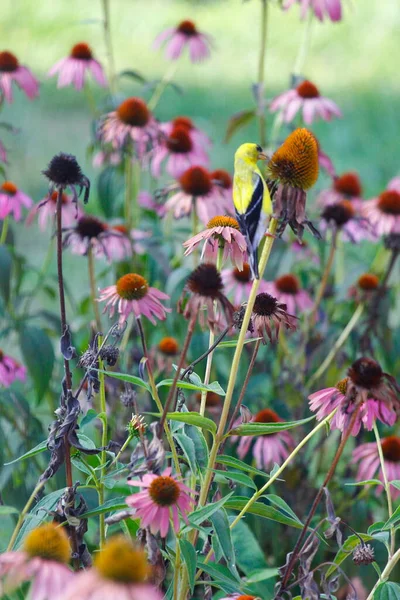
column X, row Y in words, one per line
column 251, row 199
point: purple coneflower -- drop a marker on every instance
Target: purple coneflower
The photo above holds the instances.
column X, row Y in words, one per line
column 12, row 200
column 45, row 211
column 346, row 187
column 367, row 387
column 199, row 138
column 342, row 217
column 268, row 316
column 195, row 191
column 73, row 68
column 321, row 8
column 104, row 241
column 307, row 98
column 287, row 290
column 269, row 449
column 107, row 157
column 367, row 456
column 121, row 572
column 164, row 353
column 366, row 287
column 383, row 212
column 185, row 34
column 10, row 370
column 222, row 231
column 11, row 70
column 180, row 151
column 239, row 282
column 130, row 122
column 43, row 561
column 204, row 288
column 163, row 497
column 132, row 294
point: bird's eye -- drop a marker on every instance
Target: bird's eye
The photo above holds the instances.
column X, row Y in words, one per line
column 259, row 149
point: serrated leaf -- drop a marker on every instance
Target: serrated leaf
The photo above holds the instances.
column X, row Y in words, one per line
column 190, row 559
column 387, row 591
column 266, row 428
column 5, row 272
column 237, row 121
column 235, row 463
column 41, row 447
column 193, row 418
column 110, row 505
column 199, row 387
column 38, row 354
column 235, row 476
column 128, row 378
column 262, row 510
column 345, row 551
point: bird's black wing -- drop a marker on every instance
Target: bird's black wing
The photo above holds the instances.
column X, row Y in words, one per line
column 248, row 222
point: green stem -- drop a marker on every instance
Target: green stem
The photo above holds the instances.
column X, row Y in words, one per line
column 93, row 292
column 109, row 46
column 261, row 72
column 304, row 46
column 177, row 568
column 337, row 345
column 103, row 455
column 122, row 449
column 23, row 514
column 385, row 573
column 128, row 190
column 4, row 230
column 158, row 92
column 325, row 278
column 387, row 488
column 135, row 210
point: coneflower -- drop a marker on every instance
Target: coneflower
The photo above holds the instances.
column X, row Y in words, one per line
column 342, row 216
column 268, row 317
column 185, row 34
column 305, row 97
column 344, row 187
column 74, row 68
column 12, row 71
column 367, row 457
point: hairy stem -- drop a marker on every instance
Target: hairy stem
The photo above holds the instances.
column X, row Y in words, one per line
column 387, row 487
column 93, row 291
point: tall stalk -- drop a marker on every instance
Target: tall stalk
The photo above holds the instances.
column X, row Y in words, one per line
column 325, row 278
column 387, row 488
column 4, row 230
column 261, row 73
column 103, row 455
column 93, row 291
column 109, row 46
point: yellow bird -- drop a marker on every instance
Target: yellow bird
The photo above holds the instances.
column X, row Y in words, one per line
column 251, row 199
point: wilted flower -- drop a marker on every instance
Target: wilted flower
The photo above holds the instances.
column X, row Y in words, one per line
column 367, row 456
column 11, row 70
column 132, row 294
column 239, row 282
column 12, row 200
column 268, row 316
column 294, row 169
column 64, row 172
column 363, row 554
column 269, row 449
column 163, row 497
column 73, row 68
column 383, row 212
column 321, row 8
column 185, row 34
column 42, row 560
column 287, row 289
column 342, row 217
column 10, row 370
column 367, row 388
column 120, row 572
column 105, row 241
column 195, row 191
column 181, row 152
column 345, row 187
column 222, row 232
column 131, row 122
column 305, row 97
column 45, row 211
column 205, row 290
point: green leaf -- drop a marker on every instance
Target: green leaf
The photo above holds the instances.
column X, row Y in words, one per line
column 395, row 484
column 187, row 446
column 41, row 447
column 387, row 591
column 365, row 482
column 38, row 354
column 203, row 514
column 265, row 428
column 235, row 463
column 233, row 343
column 128, row 378
column 38, row 515
column 262, row 510
column 200, row 387
column 190, row 559
column 262, row 575
column 112, row 504
column 345, row 551
column 88, row 418
column 237, row 121
column 219, row 520
column 235, row 476
column 193, row 418
column 200, row 445
column 109, row 186
column 5, row 272
column 221, row 576
column 249, row 555
column 394, row 519
column 8, row 510
column 133, row 75
column 278, row 501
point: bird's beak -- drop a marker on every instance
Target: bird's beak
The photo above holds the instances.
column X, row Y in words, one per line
column 262, row 156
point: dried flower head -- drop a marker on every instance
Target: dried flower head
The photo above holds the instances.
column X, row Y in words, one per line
column 363, row 554
column 269, row 315
column 110, row 355
column 64, row 172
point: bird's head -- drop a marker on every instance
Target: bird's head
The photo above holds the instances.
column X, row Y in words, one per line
column 250, row 153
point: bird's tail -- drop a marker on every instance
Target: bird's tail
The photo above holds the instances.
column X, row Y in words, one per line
column 253, row 261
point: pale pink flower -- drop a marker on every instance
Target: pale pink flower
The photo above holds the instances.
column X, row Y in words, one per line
column 105, row 241
column 305, row 97
column 73, row 68
column 287, row 290
column 122, row 245
column 42, row 561
column 3, row 153
column 238, row 283
column 367, row 456
column 200, row 139
column 132, row 294
column 131, row 122
column 162, row 497
column 120, row 572
column 185, row 34
column 269, row 449
column 326, row 163
column 45, row 211
column 195, row 191
column 331, row 9
column 225, row 183
column 342, row 216
column 12, row 200
column 104, row 157
column 383, row 212
column 222, row 231
column 346, row 187
column 10, row 370
column 180, row 153
column 11, row 70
